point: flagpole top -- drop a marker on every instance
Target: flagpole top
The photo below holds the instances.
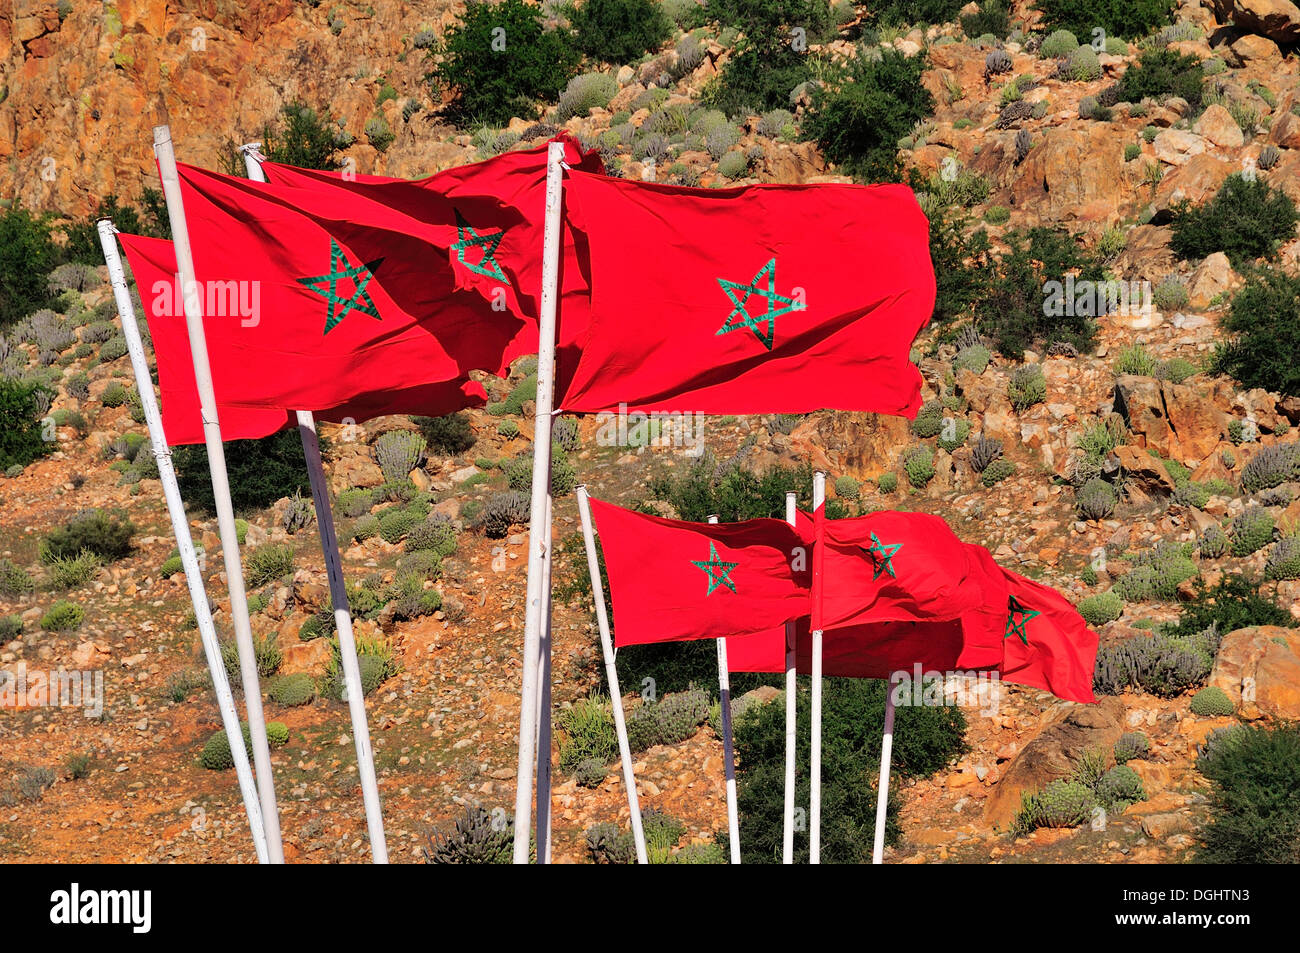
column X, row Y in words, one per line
column 161, row 134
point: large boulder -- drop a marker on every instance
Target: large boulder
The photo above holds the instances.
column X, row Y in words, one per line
column 859, row 444
column 1176, row 420
column 1053, row 754
column 1279, row 20
column 1259, row 669
column 1072, row 174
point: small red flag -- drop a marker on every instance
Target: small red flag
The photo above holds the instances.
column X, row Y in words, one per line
column 1048, row 644
column 748, row 300
column 672, row 580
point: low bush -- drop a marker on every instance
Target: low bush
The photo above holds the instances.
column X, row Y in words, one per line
column 1246, row 220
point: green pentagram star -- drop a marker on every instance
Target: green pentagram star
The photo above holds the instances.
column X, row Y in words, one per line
column 763, row 326
column 882, row 556
column 1014, row 608
column 471, row 239
column 340, row 269
column 718, row 570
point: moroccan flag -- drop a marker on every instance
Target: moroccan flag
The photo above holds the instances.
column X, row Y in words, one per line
column 672, row 580
column 153, row 265
column 1048, row 645
column 748, row 300
column 336, row 298
column 488, row 218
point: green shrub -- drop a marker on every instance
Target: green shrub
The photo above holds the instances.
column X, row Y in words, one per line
column 1246, row 220
column 1120, row 787
column 492, row 84
column 476, row 838
column 1164, row 665
column 1102, row 608
column 918, row 464
column 1135, row 360
column 301, row 138
column 1264, row 335
column 69, row 572
column 1284, row 560
column 1027, row 387
column 587, row 733
column 376, row 662
column 260, row 472
column 671, row 719
column 355, row 502
column 997, row 471
column 1010, row 299
column 266, row 655
column 1176, row 369
column 1082, row 66
column 216, row 754
column 974, row 358
column 268, row 564
column 1251, row 531
column 991, row 17
column 1095, row 500
column 451, row 434
column 27, row 255
column 926, row 739
column 846, row 487
column 1131, row 744
column 862, row 113
column 887, row 482
column 1157, row 573
column 1059, row 44
column 733, row 165
column 619, row 31
column 1213, row 543
column 365, row 527
column 1161, row 72
column 398, row 452
column 1131, row 19
column 1232, row 603
column 11, row 626
column 396, row 522
column 21, row 430
column 1255, row 797
column 63, row 616
column 1062, row 803
column 1211, row 702
column 94, row 531
column 14, row 580
column 292, row 690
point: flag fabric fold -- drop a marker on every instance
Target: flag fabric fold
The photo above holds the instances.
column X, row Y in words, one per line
column 748, row 300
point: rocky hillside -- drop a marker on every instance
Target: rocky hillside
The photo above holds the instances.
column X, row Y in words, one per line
column 1122, row 466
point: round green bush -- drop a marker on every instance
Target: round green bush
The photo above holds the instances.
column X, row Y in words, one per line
column 1063, row 804
column 216, row 754
column 846, row 487
column 1119, row 787
column 1102, row 608
column 997, row 471
column 590, row 772
column 887, row 482
column 292, row 690
column 170, row 567
column 918, row 463
column 1212, row 701
column 63, row 616
column 1252, row 530
column 395, row 523
column 1284, row 560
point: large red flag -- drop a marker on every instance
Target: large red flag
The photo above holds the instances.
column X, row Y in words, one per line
column 672, row 580
column 748, row 300
column 153, row 264
column 337, row 297
column 488, row 217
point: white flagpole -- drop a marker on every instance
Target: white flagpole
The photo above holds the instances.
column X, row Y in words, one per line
column 611, row 675
column 544, row 710
column 882, row 795
column 180, row 527
column 815, row 755
column 163, row 150
column 728, row 752
column 339, row 598
column 787, row 843
column 537, row 604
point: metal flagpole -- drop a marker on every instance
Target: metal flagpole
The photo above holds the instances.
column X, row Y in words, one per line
column 180, row 527
column 815, row 755
column 882, row 795
column 163, row 150
column 339, row 598
column 611, row 675
column 787, row 842
column 728, row 753
column 537, row 604
column 544, row 710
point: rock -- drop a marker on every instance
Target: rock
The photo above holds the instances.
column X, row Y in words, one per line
column 1162, row 825
column 864, row 444
column 1285, row 131
column 1053, row 753
column 299, row 656
column 1071, row 174
column 1176, row 420
column 1197, row 180
column 421, row 479
column 464, row 473
column 1251, row 49
column 1259, row 669
column 1176, row 146
column 1279, row 20
column 90, row 655
column 353, row 467
column 1212, row 279
column 1148, row 471
column 1217, row 125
